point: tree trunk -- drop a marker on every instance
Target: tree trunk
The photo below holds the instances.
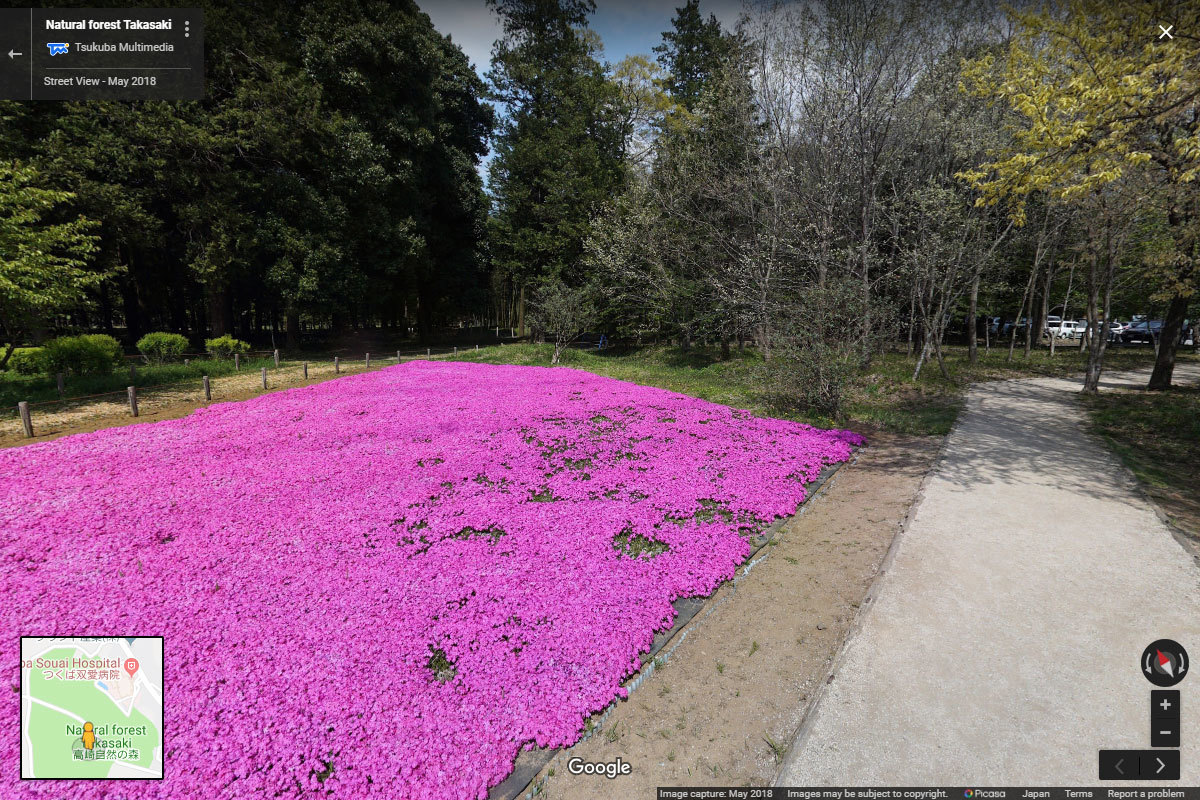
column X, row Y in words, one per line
column 922, row 356
column 972, row 326
column 220, row 310
column 1045, row 309
column 1012, row 342
column 132, row 307
column 292, row 321
column 1164, row 361
column 424, row 315
column 1095, row 343
column 106, row 309
column 764, row 341
column 521, row 313
column 8, row 351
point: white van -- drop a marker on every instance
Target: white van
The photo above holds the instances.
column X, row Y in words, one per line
column 1063, row 329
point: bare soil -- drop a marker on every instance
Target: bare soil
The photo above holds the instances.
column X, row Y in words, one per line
column 727, row 704
column 54, row 420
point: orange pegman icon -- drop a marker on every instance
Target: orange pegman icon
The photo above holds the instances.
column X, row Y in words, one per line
column 89, row 738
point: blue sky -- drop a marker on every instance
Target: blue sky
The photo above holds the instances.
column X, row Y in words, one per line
column 626, row 26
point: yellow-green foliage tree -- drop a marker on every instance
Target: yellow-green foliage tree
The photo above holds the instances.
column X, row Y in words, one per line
column 1101, row 94
column 43, row 256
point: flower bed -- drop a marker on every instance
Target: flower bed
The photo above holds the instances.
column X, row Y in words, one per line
column 389, row 583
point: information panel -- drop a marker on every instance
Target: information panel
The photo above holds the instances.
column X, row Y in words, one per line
column 101, row 54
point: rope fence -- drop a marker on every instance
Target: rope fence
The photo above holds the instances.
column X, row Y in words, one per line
column 131, row 394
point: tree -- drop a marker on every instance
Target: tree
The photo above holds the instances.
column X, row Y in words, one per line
column 558, row 153
column 43, row 262
column 1101, row 99
column 947, row 242
column 309, row 185
column 692, row 53
column 644, row 107
column 563, row 312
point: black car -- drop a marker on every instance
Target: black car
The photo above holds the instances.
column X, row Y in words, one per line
column 1144, row 332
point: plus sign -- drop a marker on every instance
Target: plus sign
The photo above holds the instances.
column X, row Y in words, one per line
column 1165, row 704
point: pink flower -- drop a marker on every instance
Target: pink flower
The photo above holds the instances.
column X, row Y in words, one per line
column 408, row 574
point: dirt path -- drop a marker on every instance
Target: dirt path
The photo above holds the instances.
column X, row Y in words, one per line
column 1004, row 646
column 722, row 709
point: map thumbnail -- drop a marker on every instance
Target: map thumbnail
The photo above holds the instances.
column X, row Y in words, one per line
column 91, row 707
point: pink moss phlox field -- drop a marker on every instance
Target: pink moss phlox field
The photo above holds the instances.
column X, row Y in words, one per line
column 309, row 554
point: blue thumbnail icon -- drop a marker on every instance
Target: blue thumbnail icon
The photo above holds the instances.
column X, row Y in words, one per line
column 58, row 48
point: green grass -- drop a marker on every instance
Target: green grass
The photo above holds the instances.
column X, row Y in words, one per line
column 39, row 388
column 1156, row 435
column 883, row 396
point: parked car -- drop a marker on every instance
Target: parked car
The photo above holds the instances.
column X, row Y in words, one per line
column 1021, row 326
column 1064, row 329
column 1145, row 332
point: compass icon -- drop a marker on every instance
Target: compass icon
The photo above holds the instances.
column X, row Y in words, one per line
column 1165, row 662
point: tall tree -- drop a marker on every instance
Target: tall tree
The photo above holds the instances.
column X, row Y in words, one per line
column 692, row 53
column 43, row 260
column 1102, row 98
column 558, row 153
column 309, row 182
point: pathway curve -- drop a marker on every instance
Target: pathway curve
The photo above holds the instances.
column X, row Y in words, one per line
column 1002, row 646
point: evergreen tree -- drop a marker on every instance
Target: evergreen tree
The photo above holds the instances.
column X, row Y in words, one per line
column 558, row 154
column 692, row 52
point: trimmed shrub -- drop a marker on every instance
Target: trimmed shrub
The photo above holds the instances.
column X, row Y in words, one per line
column 225, row 346
column 29, row 361
column 93, row 354
column 162, row 347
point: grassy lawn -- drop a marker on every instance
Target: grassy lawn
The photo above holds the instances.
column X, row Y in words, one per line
column 883, row 396
column 1157, row 435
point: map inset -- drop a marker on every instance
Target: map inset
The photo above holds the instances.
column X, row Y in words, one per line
column 91, row 707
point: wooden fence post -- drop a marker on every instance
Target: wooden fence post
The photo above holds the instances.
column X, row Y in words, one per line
column 277, row 357
column 368, row 360
column 337, row 366
column 305, row 370
column 132, row 392
column 476, row 347
column 397, row 356
column 426, row 351
column 237, row 360
column 26, row 422
column 187, row 361
column 264, row 377
column 132, row 371
column 207, row 390
column 61, row 389
column 455, row 349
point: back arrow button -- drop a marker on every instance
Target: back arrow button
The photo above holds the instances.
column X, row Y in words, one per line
column 12, row 55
